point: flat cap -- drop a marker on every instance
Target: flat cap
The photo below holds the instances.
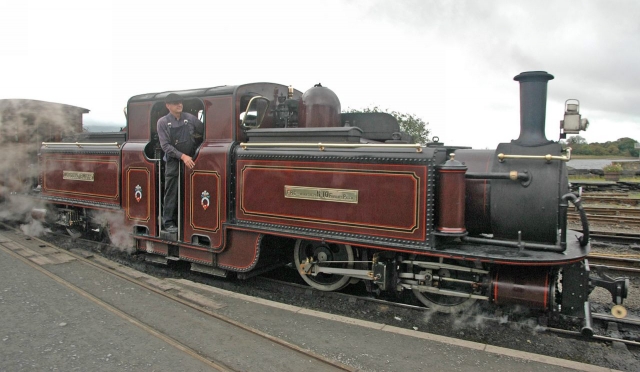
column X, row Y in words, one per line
column 173, row 98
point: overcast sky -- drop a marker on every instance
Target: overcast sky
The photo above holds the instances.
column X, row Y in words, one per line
column 451, row 63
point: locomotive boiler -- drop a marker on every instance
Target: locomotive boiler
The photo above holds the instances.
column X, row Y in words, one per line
column 282, row 176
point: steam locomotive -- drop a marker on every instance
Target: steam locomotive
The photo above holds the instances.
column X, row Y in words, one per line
column 283, row 176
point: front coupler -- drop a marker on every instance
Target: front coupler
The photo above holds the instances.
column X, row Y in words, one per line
column 577, row 284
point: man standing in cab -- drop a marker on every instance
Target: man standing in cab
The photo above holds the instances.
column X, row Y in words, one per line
column 177, row 133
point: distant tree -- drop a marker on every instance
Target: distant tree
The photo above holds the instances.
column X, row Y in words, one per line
column 627, row 146
column 409, row 123
column 576, row 140
column 612, row 149
column 598, row 149
column 621, row 147
column 584, row 150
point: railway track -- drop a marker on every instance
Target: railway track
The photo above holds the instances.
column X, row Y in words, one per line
column 286, row 288
column 628, row 263
column 609, row 216
column 630, row 222
column 613, row 211
column 596, row 316
column 610, row 200
column 383, row 309
column 606, row 194
column 209, row 360
column 605, row 221
column 630, row 239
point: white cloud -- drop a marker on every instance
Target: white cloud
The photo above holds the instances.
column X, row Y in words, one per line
column 451, row 63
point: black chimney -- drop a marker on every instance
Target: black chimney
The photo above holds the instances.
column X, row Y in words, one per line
column 533, row 107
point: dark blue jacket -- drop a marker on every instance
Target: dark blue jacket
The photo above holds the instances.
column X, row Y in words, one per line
column 177, row 136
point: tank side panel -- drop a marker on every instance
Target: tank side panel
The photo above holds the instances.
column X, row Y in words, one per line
column 81, row 177
column 373, row 201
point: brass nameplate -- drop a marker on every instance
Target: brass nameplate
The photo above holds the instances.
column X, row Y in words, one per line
column 77, row 176
column 322, row 194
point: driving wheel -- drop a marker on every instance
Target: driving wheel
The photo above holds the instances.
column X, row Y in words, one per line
column 448, row 304
column 324, row 253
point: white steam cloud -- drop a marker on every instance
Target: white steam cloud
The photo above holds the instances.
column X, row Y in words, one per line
column 24, row 125
column 119, row 234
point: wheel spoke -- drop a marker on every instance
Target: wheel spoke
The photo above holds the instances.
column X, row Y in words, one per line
column 444, row 303
column 324, row 252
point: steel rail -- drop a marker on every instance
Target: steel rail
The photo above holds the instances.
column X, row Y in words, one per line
column 631, row 221
column 621, row 263
column 615, row 237
column 608, row 317
column 594, row 337
column 220, row 317
column 607, row 194
column 614, row 200
column 632, row 321
column 625, row 212
column 367, row 299
column 112, row 309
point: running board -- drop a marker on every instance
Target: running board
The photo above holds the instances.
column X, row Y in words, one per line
column 154, row 258
column 208, row 270
column 260, row 271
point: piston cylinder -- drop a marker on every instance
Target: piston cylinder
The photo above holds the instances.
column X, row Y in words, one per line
column 451, row 195
column 533, row 288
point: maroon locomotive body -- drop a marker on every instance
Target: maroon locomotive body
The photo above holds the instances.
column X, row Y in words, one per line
column 282, row 176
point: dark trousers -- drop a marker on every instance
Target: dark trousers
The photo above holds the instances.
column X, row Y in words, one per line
column 171, row 180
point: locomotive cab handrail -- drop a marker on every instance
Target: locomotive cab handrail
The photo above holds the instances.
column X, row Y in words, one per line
column 80, row 144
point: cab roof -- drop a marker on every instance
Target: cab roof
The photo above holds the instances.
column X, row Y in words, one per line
column 202, row 92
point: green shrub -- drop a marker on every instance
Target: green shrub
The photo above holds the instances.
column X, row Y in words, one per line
column 613, row 168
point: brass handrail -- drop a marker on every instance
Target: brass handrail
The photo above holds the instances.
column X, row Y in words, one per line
column 321, row 146
column 548, row 157
column 80, row 144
